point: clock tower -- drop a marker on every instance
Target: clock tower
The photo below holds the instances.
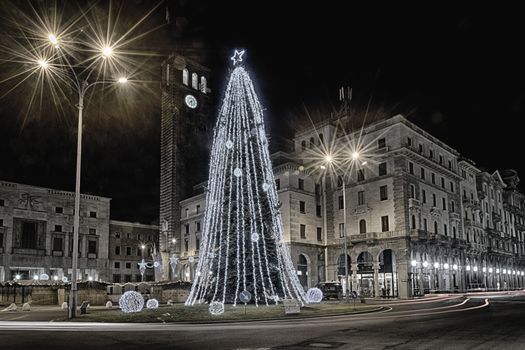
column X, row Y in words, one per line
column 186, row 120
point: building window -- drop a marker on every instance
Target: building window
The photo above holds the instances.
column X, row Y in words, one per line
column 185, row 76
column 433, row 179
column 58, row 244
column 128, row 265
column 186, row 244
column 58, row 228
column 454, row 233
column 383, row 193
column 413, row 222
column 318, row 189
column 318, row 210
column 198, row 225
column 412, row 191
column 117, row 250
column 360, row 175
column 128, row 251
column 29, row 235
column 431, row 154
column 382, row 169
column 194, row 81
column 411, row 168
column 92, row 247
column 452, row 206
column 444, row 203
column 1, row 222
column 92, row 214
column 445, row 230
column 420, row 148
column 302, row 230
column 302, row 207
column 92, row 231
column 440, row 159
column 409, row 141
column 362, row 226
column 361, row 198
column 301, row 184
column 381, row 143
column 434, row 200
column 117, row 234
column 339, row 181
column 303, row 146
column 59, row 210
column 384, row 224
column 278, row 184
column 341, row 203
column 424, row 196
column 451, row 186
column 117, row 265
column 423, row 173
column 187, row 229
column 319, row 234
column 197, row 209
column 442, row 182
column 450, row 164
column 116, row 278
column 197, row 242
column 435, row 227
column 425, row 225
column 204, row 85
column 312, row 142
column 187, row 212
column 341, row 230
column 127, row 278
column 2, row 203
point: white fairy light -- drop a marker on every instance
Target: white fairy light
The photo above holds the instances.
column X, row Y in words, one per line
column 242, row 201
column 131, row 301
column 152, row 304
column 216, row 308
column 314, row 295
column 237, row 172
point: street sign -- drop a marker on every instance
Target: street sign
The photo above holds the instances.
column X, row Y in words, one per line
column 245, row 296
column 353, row 295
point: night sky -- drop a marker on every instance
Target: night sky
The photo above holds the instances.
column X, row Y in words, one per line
column 456, row 72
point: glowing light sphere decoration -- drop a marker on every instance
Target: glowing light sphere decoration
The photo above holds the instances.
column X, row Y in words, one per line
column 314, row 295
column 242, row 224
column 216, row 308
column 131, row 302
column 152, row 304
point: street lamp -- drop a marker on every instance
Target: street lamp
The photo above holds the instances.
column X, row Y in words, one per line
column 82, row 88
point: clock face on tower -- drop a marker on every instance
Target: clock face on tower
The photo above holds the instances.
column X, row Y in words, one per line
column 190, row 101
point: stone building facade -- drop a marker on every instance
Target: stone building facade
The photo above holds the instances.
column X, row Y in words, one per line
column 419, row 217
column 36, row 233
column 130, row 243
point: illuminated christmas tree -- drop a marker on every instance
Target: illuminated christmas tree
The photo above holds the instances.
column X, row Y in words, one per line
column 242, row 247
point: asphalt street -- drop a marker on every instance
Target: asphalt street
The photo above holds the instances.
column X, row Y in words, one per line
column 456, row 322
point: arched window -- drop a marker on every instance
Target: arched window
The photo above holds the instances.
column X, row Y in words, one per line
column 303, row 146
column 435, row 227
column 312, row 142
column 204, row 85
column 194, row 81
column 302, row 270
column 362, row 226
column 413, row 222
column 185, row 76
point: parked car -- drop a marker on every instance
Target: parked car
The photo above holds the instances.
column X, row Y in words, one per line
column 331, row 290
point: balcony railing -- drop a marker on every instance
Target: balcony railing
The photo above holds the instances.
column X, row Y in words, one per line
column 496, row 217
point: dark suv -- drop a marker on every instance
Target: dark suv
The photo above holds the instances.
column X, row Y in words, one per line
column 332, row 290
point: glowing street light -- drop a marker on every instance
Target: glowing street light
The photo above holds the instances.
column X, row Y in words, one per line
column 43, row 64
column 328, row 158
column 122, row 80
column 107, row 52
column 355, row 155
column 53, row 39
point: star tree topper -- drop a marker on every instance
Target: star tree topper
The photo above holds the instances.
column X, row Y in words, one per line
column 237, row 57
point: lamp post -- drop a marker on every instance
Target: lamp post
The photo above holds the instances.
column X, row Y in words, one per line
column 81, row 86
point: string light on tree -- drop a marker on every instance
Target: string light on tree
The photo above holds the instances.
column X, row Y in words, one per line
column 242, row 230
